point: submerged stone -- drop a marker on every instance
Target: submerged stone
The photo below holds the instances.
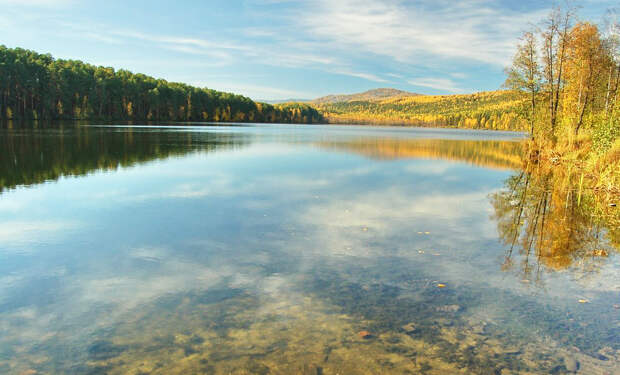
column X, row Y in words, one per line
column 448, row 308
column 103, row 350
column 571, row 364
column 409, row 328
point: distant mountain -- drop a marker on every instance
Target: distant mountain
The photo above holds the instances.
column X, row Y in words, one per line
column 370, row 95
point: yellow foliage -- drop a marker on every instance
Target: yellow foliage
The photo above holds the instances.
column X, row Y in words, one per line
column 499, row 110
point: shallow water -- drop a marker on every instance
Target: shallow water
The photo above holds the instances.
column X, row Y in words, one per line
column 281, row 249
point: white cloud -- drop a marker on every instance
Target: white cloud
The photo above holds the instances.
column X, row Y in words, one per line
column 458, row 75
column 256, row 92
column 362, row 75
column 473, row 30
column 25, row 232
column 443, row 84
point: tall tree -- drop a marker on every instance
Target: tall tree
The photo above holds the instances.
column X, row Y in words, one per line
column 612, row 42
column 556, row 39
column 587, row 63
column 525, row 74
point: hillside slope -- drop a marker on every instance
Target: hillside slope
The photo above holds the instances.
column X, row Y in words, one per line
column 500, row 110
column 370, row 95
column 34, row 86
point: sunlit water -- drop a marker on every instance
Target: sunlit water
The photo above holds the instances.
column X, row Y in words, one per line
column 281, row 250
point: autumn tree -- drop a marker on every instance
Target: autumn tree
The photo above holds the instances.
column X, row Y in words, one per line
column 612, row 43
column 556, row 37
column 586, row 85
column 525, row 74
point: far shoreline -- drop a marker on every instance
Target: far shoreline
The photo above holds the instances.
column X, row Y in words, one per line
column 151, row 123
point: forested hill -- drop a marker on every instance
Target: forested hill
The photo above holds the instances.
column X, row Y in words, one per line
column 501, row 110
column 36, row 86
column 370, row 95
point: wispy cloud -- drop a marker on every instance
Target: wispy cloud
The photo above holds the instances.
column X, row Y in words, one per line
column 344, row 45
column 225, row 52
column 444, row 84
column 17, row 233
column 366, row 76
column 474, row 30
column 256, row 91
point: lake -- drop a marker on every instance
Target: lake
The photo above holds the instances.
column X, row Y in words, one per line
column 283, row 249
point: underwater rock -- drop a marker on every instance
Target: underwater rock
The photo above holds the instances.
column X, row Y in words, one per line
column 258, row 368
column 479, row 329
column 511, row 350
column 601, row 357
column 448, row 308
column 102, row 350
column 409, row 328
column 571, row 364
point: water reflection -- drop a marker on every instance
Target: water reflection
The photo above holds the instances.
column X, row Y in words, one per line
column 550, row 221
column 485, row 153
column 294, row 253
column 31, row 155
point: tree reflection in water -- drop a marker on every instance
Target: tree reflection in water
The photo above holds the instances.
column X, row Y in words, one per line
column 551, row 220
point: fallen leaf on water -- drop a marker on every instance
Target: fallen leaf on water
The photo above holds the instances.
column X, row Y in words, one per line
column 600, row 253
column 441, row 285
column 583, row 301
column 365, row 229
column 421, row 251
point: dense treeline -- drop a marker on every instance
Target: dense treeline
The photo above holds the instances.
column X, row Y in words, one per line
column 36, row 86
column 500, row 110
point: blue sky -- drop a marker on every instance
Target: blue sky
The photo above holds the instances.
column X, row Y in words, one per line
column 278, row 49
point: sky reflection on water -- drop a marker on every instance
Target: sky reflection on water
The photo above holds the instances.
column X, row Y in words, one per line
column 229, row 237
